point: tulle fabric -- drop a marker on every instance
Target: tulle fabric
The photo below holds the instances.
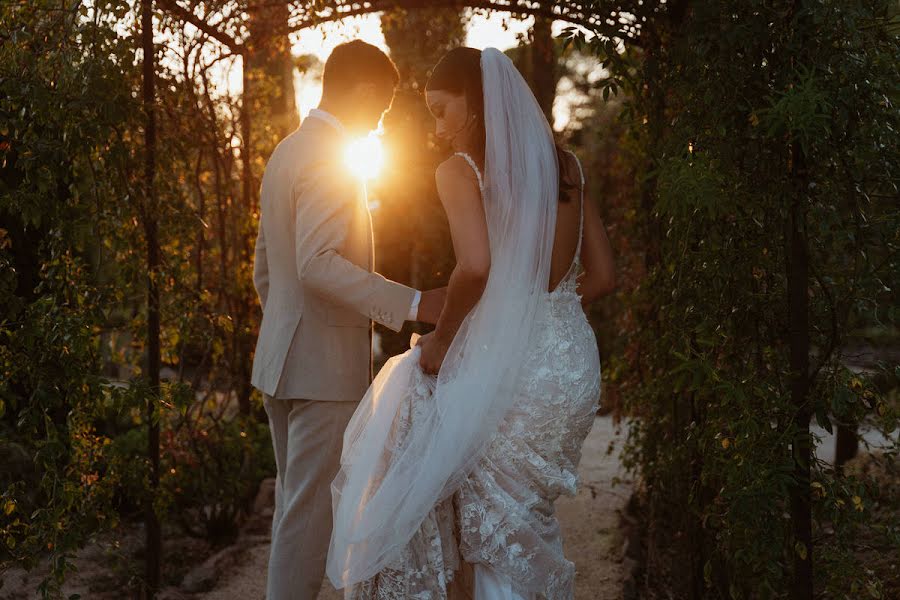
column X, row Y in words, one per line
column 393, row 476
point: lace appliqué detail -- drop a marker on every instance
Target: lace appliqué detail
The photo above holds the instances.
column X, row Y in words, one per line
column 506, row 505
column 425, row 568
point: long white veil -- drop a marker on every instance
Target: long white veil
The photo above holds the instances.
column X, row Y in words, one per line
column 413, row 438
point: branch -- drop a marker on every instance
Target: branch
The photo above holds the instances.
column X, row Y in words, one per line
column 565, row 11
column 189, row 17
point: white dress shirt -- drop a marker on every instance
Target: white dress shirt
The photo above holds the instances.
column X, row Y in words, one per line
column 414, row 309
column 318, row 113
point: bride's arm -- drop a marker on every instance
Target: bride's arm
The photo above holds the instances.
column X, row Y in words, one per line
column 458, row 190
column 596, row 256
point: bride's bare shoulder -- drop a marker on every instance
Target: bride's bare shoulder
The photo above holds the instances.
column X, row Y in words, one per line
column 568, row 168
column 456, row 173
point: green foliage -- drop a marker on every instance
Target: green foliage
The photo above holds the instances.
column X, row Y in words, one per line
column 215, row 474
column 73, row 279
column 418, row 38
column 211, row 465
column 63, row 108
column 734, row 109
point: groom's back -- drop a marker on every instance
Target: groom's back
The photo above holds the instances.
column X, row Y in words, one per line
column 311, row 152
column 307, row 347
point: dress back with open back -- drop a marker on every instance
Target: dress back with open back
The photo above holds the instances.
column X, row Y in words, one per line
column 502, row 516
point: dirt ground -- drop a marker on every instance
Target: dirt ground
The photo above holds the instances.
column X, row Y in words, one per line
column 109, row 567
column 590, row 521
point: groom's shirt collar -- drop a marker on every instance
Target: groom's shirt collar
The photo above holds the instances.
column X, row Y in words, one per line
column 318, row 113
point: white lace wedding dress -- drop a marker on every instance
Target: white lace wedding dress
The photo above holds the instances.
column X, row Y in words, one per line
column 501, row 518
column 463, row 469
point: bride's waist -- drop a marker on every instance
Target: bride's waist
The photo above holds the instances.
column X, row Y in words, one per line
column 560, row 315
column 559, row 302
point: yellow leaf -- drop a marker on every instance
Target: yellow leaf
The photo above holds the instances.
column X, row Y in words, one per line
column 818, row 490
column 800, row 548
column 9, row 507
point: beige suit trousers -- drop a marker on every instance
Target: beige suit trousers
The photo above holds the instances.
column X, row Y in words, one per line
column 307, row 436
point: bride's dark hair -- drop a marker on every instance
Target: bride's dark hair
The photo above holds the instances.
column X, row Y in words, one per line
column 459, row 72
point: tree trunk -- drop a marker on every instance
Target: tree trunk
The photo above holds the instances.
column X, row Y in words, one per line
column 798, row 319
column 240, row 350
column 543, row 66
column 797, row 264
column 153, row 533
column 268, row 59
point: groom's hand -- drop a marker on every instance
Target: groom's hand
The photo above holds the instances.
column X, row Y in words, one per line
column 431, row 305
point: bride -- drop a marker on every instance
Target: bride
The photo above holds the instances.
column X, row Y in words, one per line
column 461, row 445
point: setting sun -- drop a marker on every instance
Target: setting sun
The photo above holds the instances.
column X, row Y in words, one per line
column 365, row 157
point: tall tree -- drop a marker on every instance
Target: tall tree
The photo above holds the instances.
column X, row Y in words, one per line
column 153, row 531
column 412, row 238
column 418, row 38
column 544, row 57
column 538, row 59
column 269, row 72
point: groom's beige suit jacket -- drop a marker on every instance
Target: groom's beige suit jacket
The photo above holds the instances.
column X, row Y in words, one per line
column 313, row 272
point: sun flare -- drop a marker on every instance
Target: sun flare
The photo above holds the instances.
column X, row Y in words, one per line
column 364, row 157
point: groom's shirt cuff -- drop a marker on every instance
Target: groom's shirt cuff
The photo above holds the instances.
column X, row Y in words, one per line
column 414, row 309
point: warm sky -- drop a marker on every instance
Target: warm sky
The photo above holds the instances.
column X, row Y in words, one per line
column 483, row 30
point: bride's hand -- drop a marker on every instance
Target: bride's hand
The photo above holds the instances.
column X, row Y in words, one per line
column 418, row 340
column 433, row 352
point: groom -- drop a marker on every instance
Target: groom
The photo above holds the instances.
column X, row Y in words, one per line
column 313, row 272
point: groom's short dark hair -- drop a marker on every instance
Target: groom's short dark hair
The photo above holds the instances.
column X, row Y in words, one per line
column 357, row 62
